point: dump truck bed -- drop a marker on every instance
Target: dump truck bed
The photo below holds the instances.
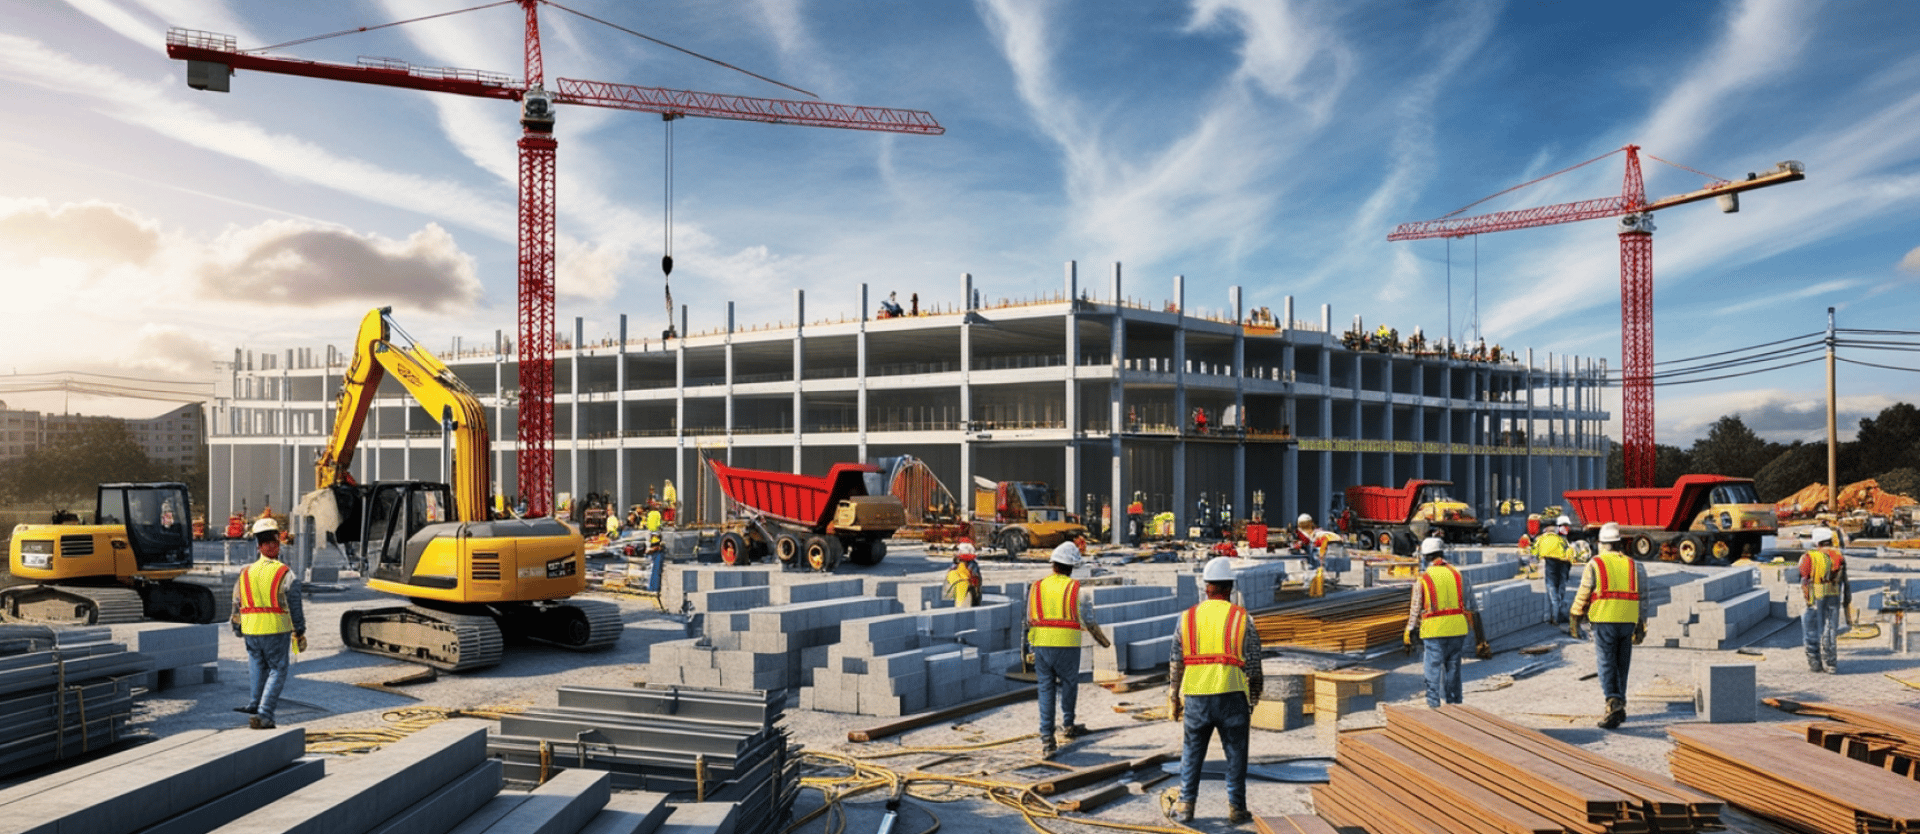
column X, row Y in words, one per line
column 1393, row 505
column 1665, row 508
column 804, row 500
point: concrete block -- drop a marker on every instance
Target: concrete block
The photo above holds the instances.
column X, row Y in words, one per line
column 561, row 806
column 1726, row 692
column 364, row 792
column 637, row 812
column 454, row 802
column 157, row 787
column 246, row 800
column 701, row 818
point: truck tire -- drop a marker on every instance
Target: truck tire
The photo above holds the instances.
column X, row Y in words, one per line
column 1364, row 540
column 867, row 552
column 1692, row 549
column 1644, row 547
column 733, row 549
column 788, row 548
column 1406, row 543
column 1014, row 541
column 822, row 553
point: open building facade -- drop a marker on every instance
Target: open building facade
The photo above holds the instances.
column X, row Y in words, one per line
column 1091, row 392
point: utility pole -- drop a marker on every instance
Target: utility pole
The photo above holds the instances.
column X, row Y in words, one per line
column 1833, row 427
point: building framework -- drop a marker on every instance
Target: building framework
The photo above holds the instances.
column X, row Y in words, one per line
column 1094, row 394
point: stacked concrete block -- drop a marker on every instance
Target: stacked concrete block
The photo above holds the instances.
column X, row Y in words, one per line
column 183, row 654
column 773, row 647
column 1710, row 612
column 64, row 691
column 695, row 580
column 135, row 789
column 913, row 662
column 1488, row 572
column 1783, row 591
column 1508, row 606
column 1140, row 620
column 1726, row 692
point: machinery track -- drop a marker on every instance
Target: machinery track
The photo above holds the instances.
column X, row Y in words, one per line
column 70, row 605
column 441, row 639
column 187, row 601
column 580, row 625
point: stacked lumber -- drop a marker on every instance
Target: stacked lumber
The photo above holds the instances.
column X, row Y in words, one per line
column 1886, row 736
column 1460, row 770
column 1772, row 771
column 1351, row 621
column 64, row 692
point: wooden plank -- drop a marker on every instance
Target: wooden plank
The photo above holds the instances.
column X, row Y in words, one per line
column 1595, row 799
column 1475, row 807
column 1086, row 803
column 1086, row 776
column 1777, row 756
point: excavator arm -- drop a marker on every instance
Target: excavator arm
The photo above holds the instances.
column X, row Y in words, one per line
column 433, row 386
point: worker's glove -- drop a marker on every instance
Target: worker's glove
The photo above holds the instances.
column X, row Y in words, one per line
column 1482, row 650
column 1849, row 610
column 1176, row 707
column 1105, row 643
column 1639, row 633
column 1406, row 642
column 235, row 623
column 300, row 642
column 1573, row 629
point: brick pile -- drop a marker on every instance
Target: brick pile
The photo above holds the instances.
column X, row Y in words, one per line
column 1712, row 612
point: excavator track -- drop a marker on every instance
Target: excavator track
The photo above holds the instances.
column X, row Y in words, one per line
column 580, row 625
column 70, row 605
column 441, row 639
column 187, row 601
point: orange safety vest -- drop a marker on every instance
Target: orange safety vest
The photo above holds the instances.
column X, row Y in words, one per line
column 1441, row 599
column 1053, row 612
column 1616, row 592
column 1826, row 566
column 262, row 608
column 1214, row 649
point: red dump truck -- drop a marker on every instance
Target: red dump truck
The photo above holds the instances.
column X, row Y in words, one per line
column 1386, row 518
column 804, row 519
column 1704, row 517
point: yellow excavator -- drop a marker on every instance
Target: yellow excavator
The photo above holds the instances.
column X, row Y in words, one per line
column 475, row 581
column 124, row 567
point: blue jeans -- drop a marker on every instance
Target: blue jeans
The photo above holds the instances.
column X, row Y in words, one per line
column 267, row 669
column 1554, row 573
column 1058, row 668
column 1821, row 625
column 657, row 559
column 1613, row 653
column 1232, row 717
column 1440, row 659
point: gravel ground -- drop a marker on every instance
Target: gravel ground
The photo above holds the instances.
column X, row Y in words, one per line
column 326, row 694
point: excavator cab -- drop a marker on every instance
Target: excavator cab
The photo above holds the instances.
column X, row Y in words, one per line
column 118, row 569
column 395, row 529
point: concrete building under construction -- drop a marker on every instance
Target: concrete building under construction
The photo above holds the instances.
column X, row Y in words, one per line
column 1095, row 393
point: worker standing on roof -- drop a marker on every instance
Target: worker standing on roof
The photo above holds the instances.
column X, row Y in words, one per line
column 269, row 617
column 1441, row 614
column 1056, row 614
column 963, row 580
column 670, row 502
column 1214, row 682
column 1829, row 596
column 1555, row 552
column 1611, row 584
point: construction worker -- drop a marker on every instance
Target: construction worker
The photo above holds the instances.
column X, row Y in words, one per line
column 1829, row 596
column 654, row 518
column 656, row 561
column 670, row 502
column 267, row 614
column 1056, row 614
column 963, row 580
column 613, row 521
column 1214, row 682
column 1310, row 540
column 1441, row 614
column 1136, row 520
column 1555, row 552
column 1611, row 585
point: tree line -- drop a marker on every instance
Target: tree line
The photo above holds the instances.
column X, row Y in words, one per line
column 65, row 473
column 1886, row 449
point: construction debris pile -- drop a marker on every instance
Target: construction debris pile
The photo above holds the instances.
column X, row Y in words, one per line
column 1854, row 774
column 64, row 692
column 1460, row 769
column 694, row 744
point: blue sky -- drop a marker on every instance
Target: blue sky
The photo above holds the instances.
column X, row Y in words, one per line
column 148, row 229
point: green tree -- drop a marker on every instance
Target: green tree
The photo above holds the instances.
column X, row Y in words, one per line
column 1885, row 442
column 1669, row 463
column 1791, row 470
column 68, row 470
column 1902, row 481
column 1731, row 449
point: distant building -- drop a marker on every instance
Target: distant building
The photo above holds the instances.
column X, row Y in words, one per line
column 1091, row 392
column 174, row 439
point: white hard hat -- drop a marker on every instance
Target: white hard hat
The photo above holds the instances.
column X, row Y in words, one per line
column 1563, row 521
column 1219, row 569
column 265, row 525
column 965, row 547
column 1610, row 532
column 1822, row 535
column 1066, row 554
column 1304, row 519
column 1432, row 544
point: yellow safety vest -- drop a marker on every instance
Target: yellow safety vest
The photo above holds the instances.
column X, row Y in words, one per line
column 653, row 520
column 262, row 609
column 1214, row 649
column 1826, row 570
column 1053, row 612
column 1616, row 591
column 959, row 583
column 1552, row 546
column 1440, row 594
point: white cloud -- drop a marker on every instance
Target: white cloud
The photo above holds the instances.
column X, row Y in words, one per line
column 1911, row 263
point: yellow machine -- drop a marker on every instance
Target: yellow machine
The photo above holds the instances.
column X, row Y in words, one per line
column 1016, row 516
column 122, row 568
column 475, row 581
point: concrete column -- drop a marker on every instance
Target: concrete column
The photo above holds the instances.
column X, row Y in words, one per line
column 860, row 373
column 1535, row 491
column 965, row 487
column 799, row 371
column 500, row 446
column 1116, row 410
column 1239, row 497
column 1325, row 475
column 573, row 444
column 1071, row 407
column 1180, row 507
column 621, row 494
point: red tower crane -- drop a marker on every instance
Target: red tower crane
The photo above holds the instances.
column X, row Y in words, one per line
column 1636, row 273
column 213, row 58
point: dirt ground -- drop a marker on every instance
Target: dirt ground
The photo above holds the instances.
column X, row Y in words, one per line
column 997, row 745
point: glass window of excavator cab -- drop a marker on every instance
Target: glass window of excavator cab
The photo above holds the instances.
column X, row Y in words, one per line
column 154, row 516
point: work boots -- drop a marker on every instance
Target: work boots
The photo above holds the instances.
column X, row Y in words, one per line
column 1236, row 816
column 1183, row 811
column 1616, row 713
